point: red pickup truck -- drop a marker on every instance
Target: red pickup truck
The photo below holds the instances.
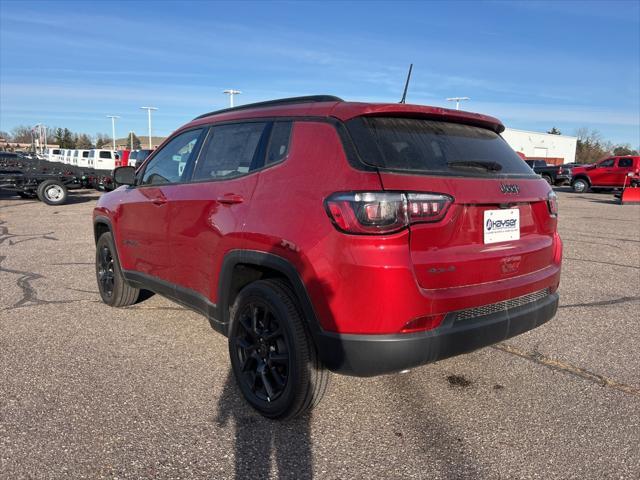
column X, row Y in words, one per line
column 610, row 172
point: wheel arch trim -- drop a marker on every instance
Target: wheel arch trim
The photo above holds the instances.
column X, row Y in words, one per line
column 273, row 262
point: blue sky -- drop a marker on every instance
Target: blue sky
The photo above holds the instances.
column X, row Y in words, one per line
column 534, row 65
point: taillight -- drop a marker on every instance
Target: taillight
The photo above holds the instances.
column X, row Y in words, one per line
column 552, row 203
column 384, row 212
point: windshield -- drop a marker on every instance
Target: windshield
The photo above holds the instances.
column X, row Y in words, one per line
column 430, row 146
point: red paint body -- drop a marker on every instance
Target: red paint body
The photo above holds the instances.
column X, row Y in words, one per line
column 608, row 172
column 357, row 283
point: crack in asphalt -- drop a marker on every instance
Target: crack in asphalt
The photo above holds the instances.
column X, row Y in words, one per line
column 586, row 234
column 590, row 243
column 29, row 293
column 548, row 362
column 602, row 263
column 18, row 204
column 5, row 235
column 602, row 303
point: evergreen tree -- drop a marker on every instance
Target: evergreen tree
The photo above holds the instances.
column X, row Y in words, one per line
column 136, row 142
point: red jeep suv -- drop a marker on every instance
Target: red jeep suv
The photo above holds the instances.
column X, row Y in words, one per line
column 319, row 234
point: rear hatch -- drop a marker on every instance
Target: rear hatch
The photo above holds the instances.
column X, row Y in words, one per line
column 498, row 224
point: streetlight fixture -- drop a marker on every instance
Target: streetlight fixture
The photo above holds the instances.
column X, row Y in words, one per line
column 148, row 109
column 457, row 100
column 231, row 92
column 113, row 129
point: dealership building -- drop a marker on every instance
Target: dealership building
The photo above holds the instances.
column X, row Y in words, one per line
column 554, row 149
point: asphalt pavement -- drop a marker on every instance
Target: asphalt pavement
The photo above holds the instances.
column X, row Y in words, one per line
column 88, row 391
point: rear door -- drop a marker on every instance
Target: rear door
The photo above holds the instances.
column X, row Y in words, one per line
column 144, row 215
column 207, row 214
column 624, row 166
column 498, row 226
column 603, row 174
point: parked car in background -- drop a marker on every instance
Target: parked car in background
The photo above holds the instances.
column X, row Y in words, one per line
column 53, row 154
column 611, row 172
column 123, row 159
column 552, row 174
column 80, row 159
column 136, row 157
column 321, row 234
column 103, row 159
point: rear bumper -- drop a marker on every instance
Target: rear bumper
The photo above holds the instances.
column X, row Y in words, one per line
column 369, row 355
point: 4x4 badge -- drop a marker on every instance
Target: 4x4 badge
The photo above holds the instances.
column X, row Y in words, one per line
column 509, row 188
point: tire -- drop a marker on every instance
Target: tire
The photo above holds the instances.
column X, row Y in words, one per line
column 547, row 179
column 580, row 185
column 52, row 192
column 273, row 357
column 112, row 286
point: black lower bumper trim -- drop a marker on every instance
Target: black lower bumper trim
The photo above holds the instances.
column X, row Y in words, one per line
column 369, row 355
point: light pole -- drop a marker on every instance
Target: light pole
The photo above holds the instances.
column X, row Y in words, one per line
column 113, row 129
column 148, row 109
column 231, row 92
column 131, row 140
column 457, row 100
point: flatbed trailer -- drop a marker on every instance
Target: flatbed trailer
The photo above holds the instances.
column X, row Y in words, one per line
column 47, row 181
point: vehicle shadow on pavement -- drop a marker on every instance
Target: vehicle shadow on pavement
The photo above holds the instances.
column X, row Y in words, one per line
column 259, row 441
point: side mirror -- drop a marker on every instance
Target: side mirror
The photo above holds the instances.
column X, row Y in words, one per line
column 124, row 176
column 117, row 157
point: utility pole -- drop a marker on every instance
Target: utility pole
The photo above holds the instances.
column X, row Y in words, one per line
column 148, row 109
column 131, row 140
column 113, row 129
column 457, row 100
column 231, row 92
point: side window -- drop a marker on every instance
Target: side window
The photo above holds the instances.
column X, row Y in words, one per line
column 230, row 151
column 607, row 163
column 169, row 163
column 105, row 154
column 625, row 162
column 279, row 142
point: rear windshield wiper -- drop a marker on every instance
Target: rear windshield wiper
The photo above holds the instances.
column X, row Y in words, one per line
column 488, row 166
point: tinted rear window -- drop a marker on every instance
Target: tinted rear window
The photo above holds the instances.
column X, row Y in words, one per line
column 430, row 146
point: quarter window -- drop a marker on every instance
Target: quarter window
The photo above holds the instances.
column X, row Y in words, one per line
column 279, row 142
column 168, row 165
column 230, row 152
column 625, row 162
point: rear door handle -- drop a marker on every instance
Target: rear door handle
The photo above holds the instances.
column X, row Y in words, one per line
column 230, row 198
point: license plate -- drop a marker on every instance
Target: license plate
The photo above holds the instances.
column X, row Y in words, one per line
column 501, row 225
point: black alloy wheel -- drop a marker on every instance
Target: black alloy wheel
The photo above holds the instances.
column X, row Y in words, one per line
column 106, row 273
column 263, row 351
column 113, row 287
column 273, row 357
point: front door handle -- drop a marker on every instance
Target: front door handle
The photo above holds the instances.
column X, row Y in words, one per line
column 159, row 201
column 230, row 198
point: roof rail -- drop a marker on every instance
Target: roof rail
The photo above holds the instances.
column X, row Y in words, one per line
column 275, row 103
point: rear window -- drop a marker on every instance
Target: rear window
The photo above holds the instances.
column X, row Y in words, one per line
column 430, row 146
column 625, row 162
